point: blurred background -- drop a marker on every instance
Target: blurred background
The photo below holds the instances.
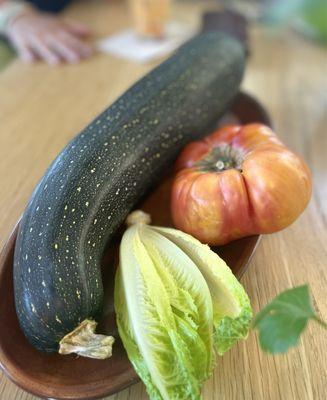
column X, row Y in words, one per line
column 62, row 62
column 35, row 29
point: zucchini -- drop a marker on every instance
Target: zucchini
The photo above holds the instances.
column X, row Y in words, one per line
column 100, row 175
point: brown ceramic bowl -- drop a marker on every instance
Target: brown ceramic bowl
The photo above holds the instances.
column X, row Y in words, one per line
column 69, row 377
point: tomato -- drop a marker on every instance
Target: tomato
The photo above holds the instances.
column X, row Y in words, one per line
column 236, row 182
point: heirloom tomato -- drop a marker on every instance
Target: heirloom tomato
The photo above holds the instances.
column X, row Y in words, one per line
column 236, row 182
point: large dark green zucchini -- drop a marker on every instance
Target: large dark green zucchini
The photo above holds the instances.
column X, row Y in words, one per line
column 99, row 176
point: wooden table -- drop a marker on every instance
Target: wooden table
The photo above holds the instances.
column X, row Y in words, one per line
column 41, row 108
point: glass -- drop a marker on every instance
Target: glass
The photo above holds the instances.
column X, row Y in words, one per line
column 150, row 16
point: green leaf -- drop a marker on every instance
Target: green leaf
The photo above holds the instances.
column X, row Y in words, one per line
column 310, row 16
column 282, row 321
column 164, row 315
column 231, row 306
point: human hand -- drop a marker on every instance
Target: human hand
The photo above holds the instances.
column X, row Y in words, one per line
column 38, row 35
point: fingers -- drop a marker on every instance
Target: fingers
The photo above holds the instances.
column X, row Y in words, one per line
column 77, row 28
column 65, row 52
column 43, row 50
column 25, row 53
column 68, row 47
column 75, row 44
column 37, row 36
column 54, row 48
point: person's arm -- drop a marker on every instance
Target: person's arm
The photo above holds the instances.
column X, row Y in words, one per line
column 36, row 35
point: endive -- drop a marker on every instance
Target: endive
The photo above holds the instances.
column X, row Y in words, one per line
column 172, row 306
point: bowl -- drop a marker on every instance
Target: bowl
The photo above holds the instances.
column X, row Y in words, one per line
column 70, row 377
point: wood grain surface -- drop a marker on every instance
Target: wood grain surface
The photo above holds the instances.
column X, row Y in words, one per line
column 41, row 108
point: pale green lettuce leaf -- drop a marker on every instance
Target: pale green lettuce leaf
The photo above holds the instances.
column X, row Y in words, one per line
column 164, row 315
column 128, row 340
column 231, row 305
column 189, row 297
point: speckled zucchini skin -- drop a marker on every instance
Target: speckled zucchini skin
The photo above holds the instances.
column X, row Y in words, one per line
column 99, row 176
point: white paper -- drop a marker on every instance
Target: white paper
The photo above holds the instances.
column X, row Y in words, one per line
column 128, row 45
